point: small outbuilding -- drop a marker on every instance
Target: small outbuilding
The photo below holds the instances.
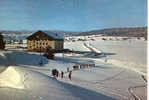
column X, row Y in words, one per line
column 41, row 40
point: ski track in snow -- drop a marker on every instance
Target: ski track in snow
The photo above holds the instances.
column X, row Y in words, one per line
column 25, row 79
column 118, row 73
column 98, row 86
column 110, row 78
column 131, row 91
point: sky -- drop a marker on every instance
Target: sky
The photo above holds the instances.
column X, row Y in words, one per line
column 71, row 15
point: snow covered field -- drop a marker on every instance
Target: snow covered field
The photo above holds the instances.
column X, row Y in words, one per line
column 22, row 78
column 131, row 54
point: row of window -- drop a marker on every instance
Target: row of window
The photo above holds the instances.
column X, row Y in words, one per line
column 38, row 47
column 39, row 43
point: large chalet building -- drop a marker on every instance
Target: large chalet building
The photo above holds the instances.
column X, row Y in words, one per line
column 2, row 43
column 41, row 40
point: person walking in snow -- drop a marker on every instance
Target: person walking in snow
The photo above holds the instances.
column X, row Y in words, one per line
column 62, row 74
column 67, row 69
column 57, row 73
column 70, row 74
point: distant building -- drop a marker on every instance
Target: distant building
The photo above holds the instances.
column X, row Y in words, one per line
column 2, row 43
column 41, row 40
column 24, row 41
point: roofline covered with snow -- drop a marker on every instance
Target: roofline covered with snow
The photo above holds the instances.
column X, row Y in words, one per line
column 44, row 35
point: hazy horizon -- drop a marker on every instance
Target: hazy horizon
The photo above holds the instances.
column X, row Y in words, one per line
column 74, row 31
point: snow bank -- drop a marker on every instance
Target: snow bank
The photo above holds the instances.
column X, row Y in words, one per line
column 11, row 78
column 20, row 58
column 23, row 84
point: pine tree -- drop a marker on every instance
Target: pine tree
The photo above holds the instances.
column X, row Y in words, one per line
column 2, row 43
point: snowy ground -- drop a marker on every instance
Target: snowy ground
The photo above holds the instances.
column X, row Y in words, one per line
column 129, row 54
column 22, row 78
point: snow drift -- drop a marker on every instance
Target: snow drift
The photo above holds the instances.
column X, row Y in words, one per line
column 22, row 84
column 11, row 78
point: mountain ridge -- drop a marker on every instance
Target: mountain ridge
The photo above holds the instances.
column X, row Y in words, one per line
column 126, row 31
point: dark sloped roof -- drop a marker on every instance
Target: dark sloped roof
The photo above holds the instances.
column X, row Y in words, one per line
column 55, row 36
column 44, row 35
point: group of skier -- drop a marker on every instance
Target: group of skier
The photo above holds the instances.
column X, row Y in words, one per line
column 56, row 73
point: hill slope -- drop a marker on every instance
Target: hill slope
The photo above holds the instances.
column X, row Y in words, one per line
column 131, row 32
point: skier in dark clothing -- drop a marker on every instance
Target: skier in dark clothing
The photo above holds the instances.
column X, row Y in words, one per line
column 62, row 74
column 70, row 74
column 57, row 73
column 53, row 72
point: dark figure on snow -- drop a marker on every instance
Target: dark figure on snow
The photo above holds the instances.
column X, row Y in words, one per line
column 67, row 69
column 62, row 74
column 70, row 74
column 55, row 72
